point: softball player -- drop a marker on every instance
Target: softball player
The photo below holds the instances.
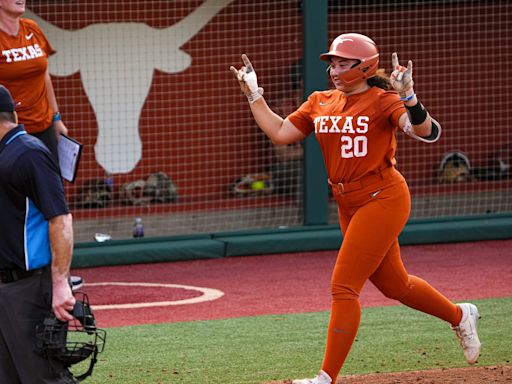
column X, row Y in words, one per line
column 355, row 125
column 24, row 71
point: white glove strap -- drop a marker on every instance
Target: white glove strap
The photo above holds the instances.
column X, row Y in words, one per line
column 253, row 96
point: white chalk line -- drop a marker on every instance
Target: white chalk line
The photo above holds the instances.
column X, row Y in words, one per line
column 208, row 294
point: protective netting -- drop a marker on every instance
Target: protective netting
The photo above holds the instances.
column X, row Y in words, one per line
column 460, row 51
column 168, row 137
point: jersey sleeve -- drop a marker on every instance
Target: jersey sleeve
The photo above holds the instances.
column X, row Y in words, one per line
column 390, row 103
column 301, row 118
column 39, row 177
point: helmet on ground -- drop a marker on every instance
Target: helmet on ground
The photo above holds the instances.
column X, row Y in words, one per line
column 160, row 188
column 133, row 193
column 72, row 342
column 358, row 47
column 94, row 193
column 454, row 168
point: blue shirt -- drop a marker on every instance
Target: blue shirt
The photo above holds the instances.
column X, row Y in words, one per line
column 31, row 193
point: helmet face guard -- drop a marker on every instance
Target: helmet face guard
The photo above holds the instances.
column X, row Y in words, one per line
column 74, row 341
column 357, row 47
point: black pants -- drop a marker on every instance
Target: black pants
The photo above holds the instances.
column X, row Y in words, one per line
column 23, row 305
column 49, row 138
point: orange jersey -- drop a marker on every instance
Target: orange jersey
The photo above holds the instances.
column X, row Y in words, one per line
column 23, row 65
column 356, row 133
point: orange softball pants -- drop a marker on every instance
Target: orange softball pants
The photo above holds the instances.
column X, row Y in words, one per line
column 371, row 220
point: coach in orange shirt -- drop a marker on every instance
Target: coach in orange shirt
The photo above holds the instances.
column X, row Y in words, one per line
column 355, row 125
column 24, row 71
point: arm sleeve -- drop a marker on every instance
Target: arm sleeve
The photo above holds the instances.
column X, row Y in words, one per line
column 39, row 177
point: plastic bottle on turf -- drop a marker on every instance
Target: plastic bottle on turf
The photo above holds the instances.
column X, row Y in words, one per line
column 138, row 228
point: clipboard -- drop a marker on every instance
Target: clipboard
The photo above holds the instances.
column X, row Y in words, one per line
column 70, row 151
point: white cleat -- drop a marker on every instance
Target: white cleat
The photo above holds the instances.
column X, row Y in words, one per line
column 467, row 333
column 321, row 378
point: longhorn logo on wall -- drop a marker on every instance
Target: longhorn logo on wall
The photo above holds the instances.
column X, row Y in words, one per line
column 117, row 88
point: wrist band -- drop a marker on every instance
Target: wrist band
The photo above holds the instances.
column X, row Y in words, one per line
column 56, row 117
column 417, row 113
column 407, row 98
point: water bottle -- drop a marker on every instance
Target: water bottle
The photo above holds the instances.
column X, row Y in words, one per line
column 138, row 228
column 109, row 181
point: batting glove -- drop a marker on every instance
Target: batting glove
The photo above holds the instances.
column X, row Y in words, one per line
column 401, row 78
column 248, row 81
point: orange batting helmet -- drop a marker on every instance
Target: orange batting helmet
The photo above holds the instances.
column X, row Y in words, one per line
column 359, row 47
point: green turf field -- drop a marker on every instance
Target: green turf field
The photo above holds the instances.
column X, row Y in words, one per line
column 256, row 349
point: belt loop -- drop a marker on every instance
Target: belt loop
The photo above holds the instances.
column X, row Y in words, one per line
column 337, row 188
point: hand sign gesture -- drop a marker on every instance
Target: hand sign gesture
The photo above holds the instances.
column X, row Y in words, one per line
column 247, row 79
column 401, row 78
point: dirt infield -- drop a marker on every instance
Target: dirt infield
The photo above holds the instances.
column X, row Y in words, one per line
column 471, row 375
column 476, row 375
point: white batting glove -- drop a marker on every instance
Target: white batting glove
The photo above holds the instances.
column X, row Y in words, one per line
column 248, row 80
column 401, row 78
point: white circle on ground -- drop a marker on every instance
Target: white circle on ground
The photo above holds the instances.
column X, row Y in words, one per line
column 208, row 294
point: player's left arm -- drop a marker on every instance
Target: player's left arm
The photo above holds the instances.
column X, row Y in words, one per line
column 60, row 127
column 417, row 122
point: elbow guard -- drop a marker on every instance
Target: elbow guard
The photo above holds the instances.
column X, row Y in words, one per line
column 432, row 138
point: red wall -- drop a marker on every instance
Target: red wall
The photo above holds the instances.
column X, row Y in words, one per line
column 196, row 126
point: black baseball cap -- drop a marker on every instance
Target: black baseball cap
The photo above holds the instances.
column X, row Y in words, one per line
column 6, row 102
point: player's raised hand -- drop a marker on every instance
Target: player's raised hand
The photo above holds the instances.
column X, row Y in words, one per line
column 248, row 80
column 401, row 78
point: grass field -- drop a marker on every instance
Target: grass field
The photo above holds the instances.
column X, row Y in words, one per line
column 257, row 349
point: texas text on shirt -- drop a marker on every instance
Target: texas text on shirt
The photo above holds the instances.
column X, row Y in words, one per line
column 365, row 124
column 27, row 53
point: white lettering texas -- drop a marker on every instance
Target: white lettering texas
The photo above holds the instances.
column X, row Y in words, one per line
column 341, row 124
column 22, row 54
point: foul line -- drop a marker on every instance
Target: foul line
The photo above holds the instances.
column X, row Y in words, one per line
column 208, row 294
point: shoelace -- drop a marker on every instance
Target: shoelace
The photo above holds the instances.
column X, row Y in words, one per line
column 463, row 336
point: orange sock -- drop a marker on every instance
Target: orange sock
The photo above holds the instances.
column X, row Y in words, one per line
column 425, row 298
column 342, row 330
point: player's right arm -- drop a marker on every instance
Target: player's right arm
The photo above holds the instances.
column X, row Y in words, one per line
column 280, row 131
